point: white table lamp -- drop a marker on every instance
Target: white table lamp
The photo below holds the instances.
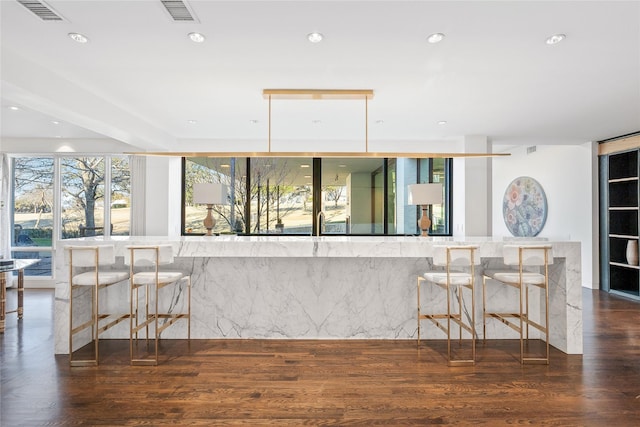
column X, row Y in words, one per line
column 209, row 194
column 425, row 195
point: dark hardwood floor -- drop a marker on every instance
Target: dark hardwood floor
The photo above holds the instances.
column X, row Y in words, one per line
column 295, row 382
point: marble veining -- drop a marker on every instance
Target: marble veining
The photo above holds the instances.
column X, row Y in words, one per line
column 321, row 288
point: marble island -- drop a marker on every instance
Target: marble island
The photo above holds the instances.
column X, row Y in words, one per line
column 323, row 287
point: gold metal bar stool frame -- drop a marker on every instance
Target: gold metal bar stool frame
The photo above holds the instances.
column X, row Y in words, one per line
column 152, row 257
column 452, row 256
column 89, row 259
column 524, row 256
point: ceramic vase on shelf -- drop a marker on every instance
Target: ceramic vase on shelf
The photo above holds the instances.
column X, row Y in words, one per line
column 632, row 252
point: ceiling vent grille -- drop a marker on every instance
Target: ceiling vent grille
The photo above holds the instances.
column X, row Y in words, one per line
column 179, row 11
column 41, row 10
column 531, row 150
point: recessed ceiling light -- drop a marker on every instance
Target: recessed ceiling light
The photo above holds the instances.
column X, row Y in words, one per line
column 379, row 122
column 58, row 136
column 13, row 108
column 316, row 122
column 442, row 122
column 80, row 38
column 556, row 38
column 55, row 122
column 315, row 37
column 435, row 38
column 342, row 166
column 192, row 122
column 307, row 176
column 253, row 121
column 197, row 37
column 225, row 165
column 304, row 165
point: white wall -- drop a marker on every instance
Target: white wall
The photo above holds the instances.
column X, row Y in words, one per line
column 566, row 175
column 163, row 196
column 472, row 190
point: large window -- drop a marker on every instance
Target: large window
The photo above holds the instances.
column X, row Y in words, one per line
column 33, row 207
column 232, row 173
column 66, row 197
column 82, row 196
column 358, row 196
column 352, row 196
column 120, row 203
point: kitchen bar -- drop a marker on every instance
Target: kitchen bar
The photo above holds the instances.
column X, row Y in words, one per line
column 338, row 287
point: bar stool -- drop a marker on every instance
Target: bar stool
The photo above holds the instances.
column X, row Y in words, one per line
column 87, row 270
column 145, row 262
column 526, row 258
column 458, row 274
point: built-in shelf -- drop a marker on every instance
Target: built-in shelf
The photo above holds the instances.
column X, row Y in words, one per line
column 623, row 236
column 619, row 208
column 619, row 264
column 633, row 178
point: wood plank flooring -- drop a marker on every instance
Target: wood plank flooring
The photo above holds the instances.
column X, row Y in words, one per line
column 348, row 382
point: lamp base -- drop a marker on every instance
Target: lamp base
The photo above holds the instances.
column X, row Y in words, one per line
column 209, row 221
column 425, row 222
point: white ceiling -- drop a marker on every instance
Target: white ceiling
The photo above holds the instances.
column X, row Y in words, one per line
column 139, row 79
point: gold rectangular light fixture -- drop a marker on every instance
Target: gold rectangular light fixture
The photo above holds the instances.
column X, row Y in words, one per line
column 317, row 93
column 336, row 154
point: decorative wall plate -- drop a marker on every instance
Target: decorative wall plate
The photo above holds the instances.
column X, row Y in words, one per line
column 524, row 207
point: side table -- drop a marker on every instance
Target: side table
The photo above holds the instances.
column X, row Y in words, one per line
column 13, row 265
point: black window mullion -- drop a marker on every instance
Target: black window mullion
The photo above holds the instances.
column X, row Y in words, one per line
column 247, row 205
column 317, row 193
column 183, row 213
column 385, row 195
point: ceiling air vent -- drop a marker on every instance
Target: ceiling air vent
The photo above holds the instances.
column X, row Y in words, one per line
column 531, row 149
column 41, row 10
column 179, row 11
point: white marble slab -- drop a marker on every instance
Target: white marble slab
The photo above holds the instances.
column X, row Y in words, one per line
column 322, row 287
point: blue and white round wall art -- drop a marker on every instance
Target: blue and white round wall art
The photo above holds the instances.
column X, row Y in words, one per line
column 524, row 207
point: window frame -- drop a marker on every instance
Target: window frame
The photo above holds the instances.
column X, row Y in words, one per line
column 56, row 233
column 317, row 203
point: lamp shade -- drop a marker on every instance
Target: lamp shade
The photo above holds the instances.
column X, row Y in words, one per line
column 425, row 194
column 209, row 194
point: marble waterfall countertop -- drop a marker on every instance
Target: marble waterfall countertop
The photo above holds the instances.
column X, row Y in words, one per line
column 274, row 246
column 326, row 287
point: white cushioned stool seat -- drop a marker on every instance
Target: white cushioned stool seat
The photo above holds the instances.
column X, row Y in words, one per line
column 104, row 278
column 164, row 277
column 454, row 278
column 528, row 278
